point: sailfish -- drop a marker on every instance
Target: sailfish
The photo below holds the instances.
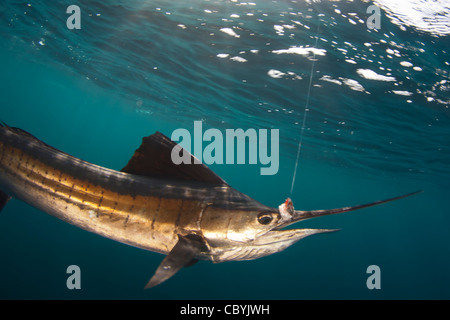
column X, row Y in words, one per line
column 185, row 211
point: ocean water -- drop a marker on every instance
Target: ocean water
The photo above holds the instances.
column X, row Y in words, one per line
column 370, row 106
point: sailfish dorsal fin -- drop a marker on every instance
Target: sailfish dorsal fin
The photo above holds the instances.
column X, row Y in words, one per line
column 153, row 159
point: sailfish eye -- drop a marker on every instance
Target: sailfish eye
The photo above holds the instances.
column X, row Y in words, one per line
column 265, row 218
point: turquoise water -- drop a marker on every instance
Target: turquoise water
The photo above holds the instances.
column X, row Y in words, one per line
column 377, row 125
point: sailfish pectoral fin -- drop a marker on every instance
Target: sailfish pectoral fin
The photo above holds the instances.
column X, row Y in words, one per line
column 183, row 254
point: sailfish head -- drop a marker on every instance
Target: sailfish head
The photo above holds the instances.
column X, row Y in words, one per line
column 262, row 232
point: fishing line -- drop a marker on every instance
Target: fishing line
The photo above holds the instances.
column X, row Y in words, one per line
column 306, row 110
